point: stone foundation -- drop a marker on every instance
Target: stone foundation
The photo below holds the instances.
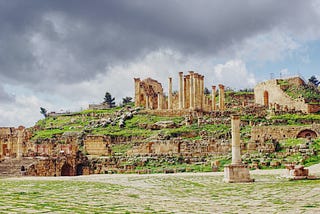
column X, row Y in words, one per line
column 237, row 173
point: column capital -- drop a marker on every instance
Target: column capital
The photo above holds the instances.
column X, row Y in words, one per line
column 235, row 117
column 221, row 86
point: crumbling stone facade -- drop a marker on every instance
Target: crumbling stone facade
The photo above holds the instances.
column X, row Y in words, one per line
column 190, row 96
column 62, row 165
column 265, row 133
column 271, row 94
column 13, row 142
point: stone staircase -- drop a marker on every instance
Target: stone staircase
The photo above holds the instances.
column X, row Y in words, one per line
column 12, row 167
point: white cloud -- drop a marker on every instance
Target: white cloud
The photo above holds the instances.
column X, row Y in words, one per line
column 234, row 74
column 270, row 46
column 24, row 111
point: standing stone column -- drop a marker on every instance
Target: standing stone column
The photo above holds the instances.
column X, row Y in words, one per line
column 201, row 92
column 184, row 99
column 19, row 146
column 194, row 86
column 213, row 95
column 236, row 172
column 187, row 94
column 221, row 97
column 235, row 132
column 159, row 101
column 170, row 94
column 191, row 90
column 147, row 102
column 137, row 101
column 180, row 90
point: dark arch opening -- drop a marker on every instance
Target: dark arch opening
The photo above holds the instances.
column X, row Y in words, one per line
column 79, row 169
column 307, row 133
column 66, row 170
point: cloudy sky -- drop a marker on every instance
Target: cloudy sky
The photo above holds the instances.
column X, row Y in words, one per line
column 65, row 54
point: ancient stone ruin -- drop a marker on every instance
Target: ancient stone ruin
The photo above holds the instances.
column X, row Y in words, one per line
column 149, row 94
column 272, row 94
column 190, row 128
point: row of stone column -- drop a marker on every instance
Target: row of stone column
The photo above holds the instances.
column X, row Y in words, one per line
column 191, row 93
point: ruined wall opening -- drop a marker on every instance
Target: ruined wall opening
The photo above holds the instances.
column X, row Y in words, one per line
column 307, row 133
column 66, row 170
column 79, row 169
column 149, row 147
column 266, row 98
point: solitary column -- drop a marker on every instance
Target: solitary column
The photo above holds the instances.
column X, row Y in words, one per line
column 191, row 90
column 180, row 90
column 170, row 94
column 221, row 97
column 19, row 148
column 236, row 172
column 235, row 132
column 137, row 101
column 159, row 101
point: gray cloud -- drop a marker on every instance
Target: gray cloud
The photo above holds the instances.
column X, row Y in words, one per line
column 5, row 97
column 69, row 41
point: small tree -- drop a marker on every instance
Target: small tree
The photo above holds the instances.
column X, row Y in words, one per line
column 43, row 111
column 109, row 100
column 206, row 91
column 126, row 100
column 313, row 80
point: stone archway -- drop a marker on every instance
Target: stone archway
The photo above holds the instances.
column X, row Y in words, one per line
column 79, row 169
column 66, row 170
column 307, row 133
column 266, row 98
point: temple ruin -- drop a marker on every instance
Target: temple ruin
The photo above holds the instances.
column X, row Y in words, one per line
column 190, row 96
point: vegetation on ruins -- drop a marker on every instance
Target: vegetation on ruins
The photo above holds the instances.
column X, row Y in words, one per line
column 307, row 92
column 126, row 100
column 43, row 111
column 109, row 100
column 313, row 80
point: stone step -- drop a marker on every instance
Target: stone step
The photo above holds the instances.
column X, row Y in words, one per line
column 12, row 167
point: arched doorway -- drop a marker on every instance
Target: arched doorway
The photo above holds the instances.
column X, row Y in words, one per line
column 66, row 170
column 307, row 133
column 266, row 98
column 79, row 169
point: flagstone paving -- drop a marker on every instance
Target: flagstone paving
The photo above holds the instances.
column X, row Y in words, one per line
column 159, row 193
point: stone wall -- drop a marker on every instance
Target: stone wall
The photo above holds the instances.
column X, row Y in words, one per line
column 64, row 165
column 264, row 133
column 97, row 145
column 181, row 147
column 13, row 141
column 270, row 93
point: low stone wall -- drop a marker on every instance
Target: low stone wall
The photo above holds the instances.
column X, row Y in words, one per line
column 64, row 165
column 264, row 133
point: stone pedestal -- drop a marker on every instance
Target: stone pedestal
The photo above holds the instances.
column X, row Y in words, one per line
column 237, row 173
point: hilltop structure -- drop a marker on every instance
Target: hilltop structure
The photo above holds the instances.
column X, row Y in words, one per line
column 149, row 94
column 272, row 93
